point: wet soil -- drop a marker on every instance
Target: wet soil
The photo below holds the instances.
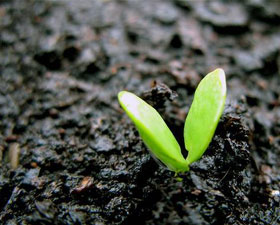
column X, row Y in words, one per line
column 69, row 154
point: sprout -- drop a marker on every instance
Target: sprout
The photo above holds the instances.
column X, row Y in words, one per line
column 200, row 125
column 154, row 131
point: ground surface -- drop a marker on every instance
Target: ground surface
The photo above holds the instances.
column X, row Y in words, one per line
column 68, row 153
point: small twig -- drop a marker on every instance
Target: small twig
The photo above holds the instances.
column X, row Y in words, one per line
column 224, row 176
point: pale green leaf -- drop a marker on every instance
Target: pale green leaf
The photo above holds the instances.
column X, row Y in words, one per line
column 204, row 114
column 154, row 131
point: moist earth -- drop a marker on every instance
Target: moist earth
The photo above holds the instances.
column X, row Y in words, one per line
column 70, row 155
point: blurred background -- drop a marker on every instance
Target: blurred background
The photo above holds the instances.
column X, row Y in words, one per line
column 69, row 155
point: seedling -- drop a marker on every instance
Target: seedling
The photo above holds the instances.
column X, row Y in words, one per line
column 200, row 125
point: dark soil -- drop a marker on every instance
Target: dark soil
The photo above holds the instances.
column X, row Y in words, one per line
column 70, row 155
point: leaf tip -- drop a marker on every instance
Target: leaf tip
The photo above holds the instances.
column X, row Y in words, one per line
column 219, row 72
column 121, row 94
